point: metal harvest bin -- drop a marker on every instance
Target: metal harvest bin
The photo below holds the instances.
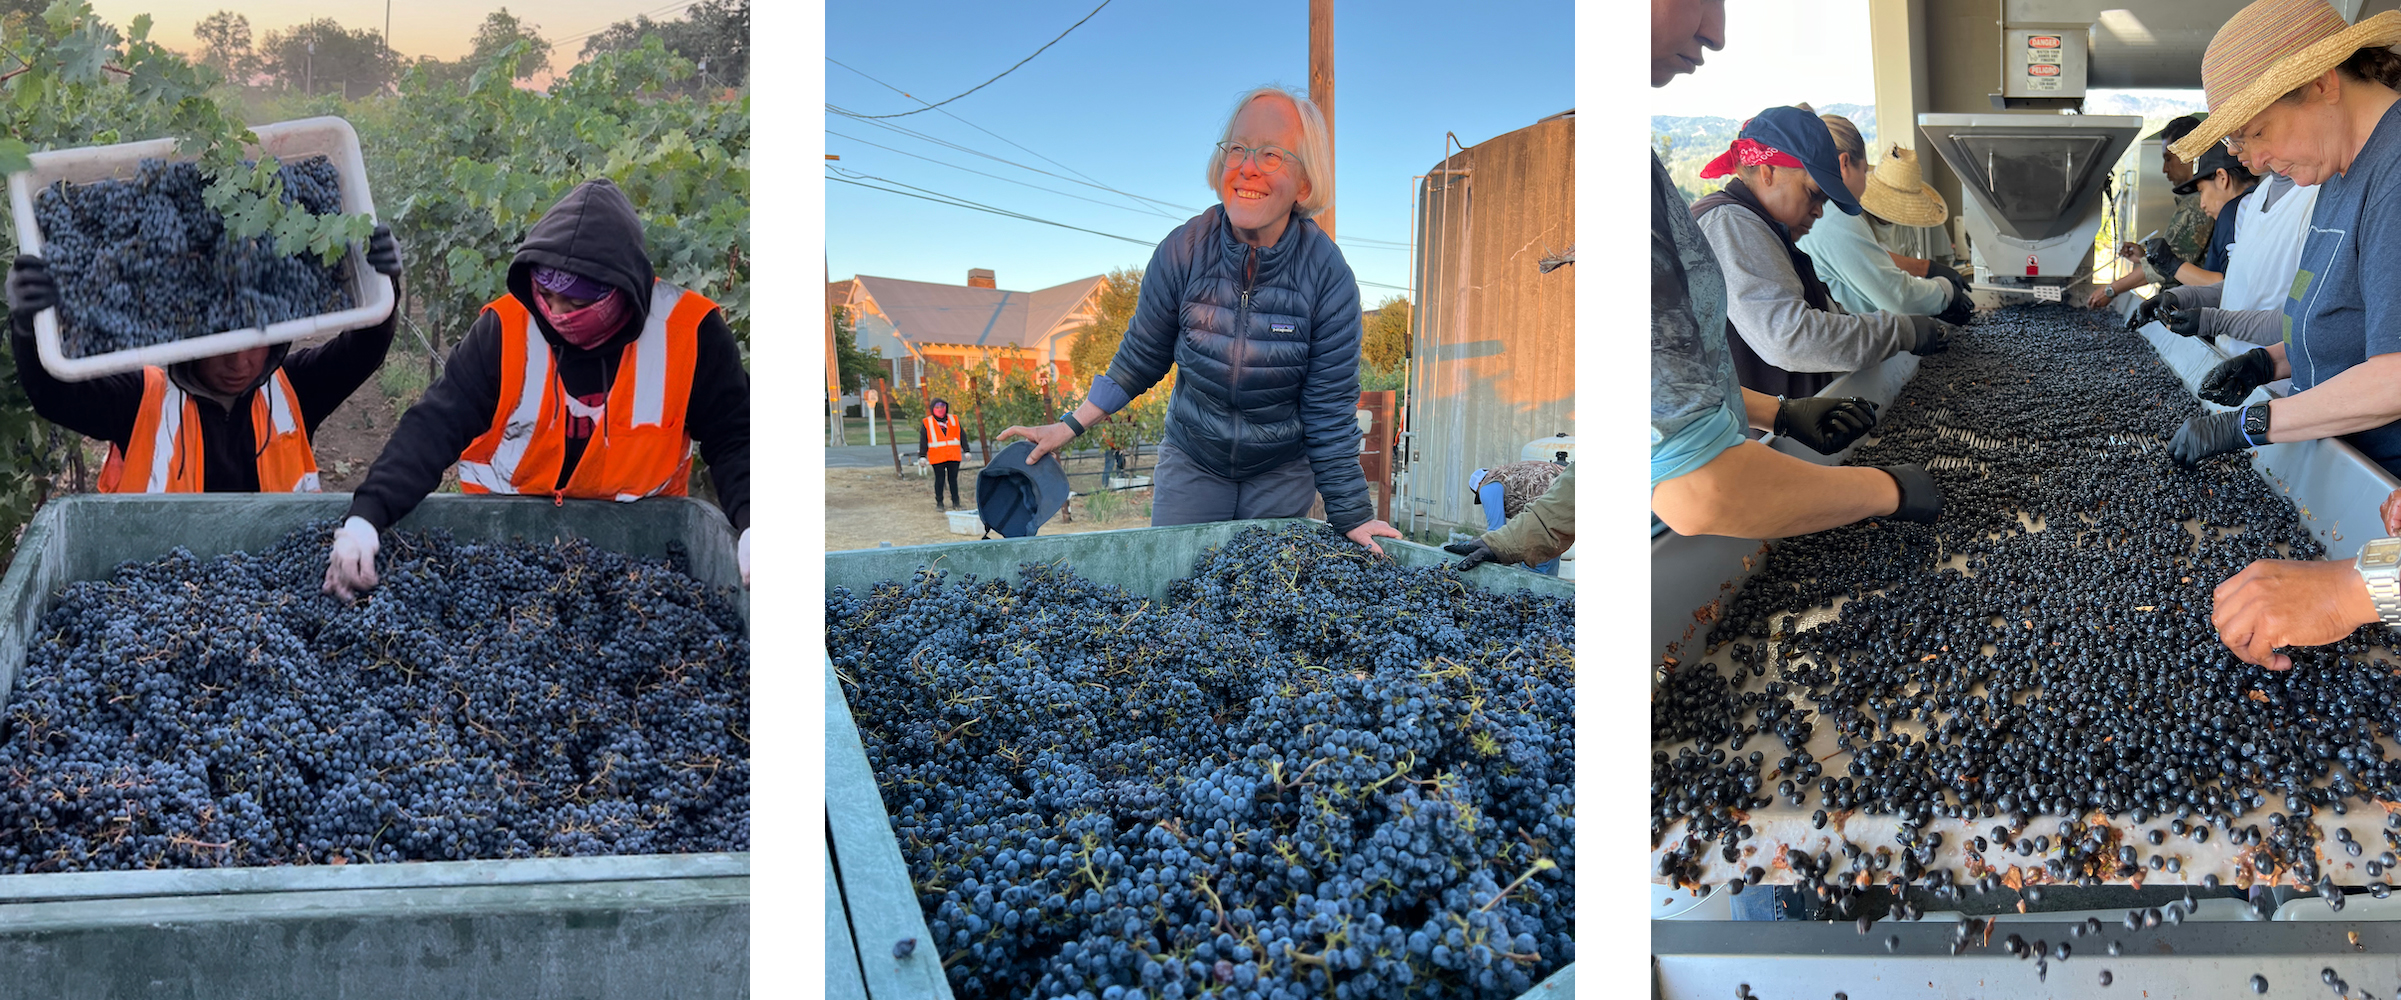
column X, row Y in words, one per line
column 649, row 926
column 870, row 901
column 330, row 137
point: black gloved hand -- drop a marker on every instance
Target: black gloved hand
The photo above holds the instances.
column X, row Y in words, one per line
column 1825, row 425
column 1960, row 308
column 2232, row 380
column 2179, row 320
column 1938, row 269
column 2161, row 259
column 1474, row 549
column 1921, row 500
column 382, row 253
column 2146, row 311
column 30, row 290
column 2206, row 435
column 1929, row 335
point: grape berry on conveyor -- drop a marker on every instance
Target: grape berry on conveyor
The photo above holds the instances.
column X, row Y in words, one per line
column 143, row 261
column 498, row 700
column 1306, row 773
column 1980, row 674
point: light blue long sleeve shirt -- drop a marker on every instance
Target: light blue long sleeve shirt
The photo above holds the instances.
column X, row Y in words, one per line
column 1861, row 273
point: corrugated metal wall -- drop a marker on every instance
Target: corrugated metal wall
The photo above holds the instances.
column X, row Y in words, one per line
column 1493, row 346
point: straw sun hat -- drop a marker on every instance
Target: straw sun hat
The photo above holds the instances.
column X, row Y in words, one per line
column 2267, row 50
column 1897, row 195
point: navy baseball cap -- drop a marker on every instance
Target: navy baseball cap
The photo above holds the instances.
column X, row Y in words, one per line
column 1804, row 137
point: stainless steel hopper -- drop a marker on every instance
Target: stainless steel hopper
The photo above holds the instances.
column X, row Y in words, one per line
column 2034, row 184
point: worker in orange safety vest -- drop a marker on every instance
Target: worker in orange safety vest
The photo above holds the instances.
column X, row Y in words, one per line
column 231, row 423
column 591, row 379
column 938, row 443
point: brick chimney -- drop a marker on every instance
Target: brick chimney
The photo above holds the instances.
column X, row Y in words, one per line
column 980, row 277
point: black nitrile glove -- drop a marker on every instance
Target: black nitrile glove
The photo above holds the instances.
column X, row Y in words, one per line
column 1825, row 425
column 382, row 254
column 2179, row 320
column 2146, row 311
column 1938, row 269
column 1474, row 549
column 1930, row 335
column 2206, row 435
column 2232, row 380
column 1921, row 500
column 2161, row 258
column 1962, row 307
column 30, row 290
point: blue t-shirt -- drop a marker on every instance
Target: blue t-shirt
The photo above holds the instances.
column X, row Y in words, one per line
column 2221, row 235
column 2345, row 305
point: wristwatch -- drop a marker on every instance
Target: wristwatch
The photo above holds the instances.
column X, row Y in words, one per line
column 2255, row 424
column 1072, row 423
column 2110, row 291
column 2380, row 565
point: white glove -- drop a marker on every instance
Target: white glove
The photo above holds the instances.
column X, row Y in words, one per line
column 351, row 570
column 742, row 556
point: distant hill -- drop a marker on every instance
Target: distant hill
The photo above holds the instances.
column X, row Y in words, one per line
column 1686, row 144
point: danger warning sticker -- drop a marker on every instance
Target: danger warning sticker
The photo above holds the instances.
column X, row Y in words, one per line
column 2042, row 69
column 2042, row 41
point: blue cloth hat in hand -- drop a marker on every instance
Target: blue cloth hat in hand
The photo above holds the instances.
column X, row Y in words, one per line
column 1016, row 499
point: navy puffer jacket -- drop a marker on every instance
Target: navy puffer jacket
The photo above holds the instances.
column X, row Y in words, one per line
column 1267, row 345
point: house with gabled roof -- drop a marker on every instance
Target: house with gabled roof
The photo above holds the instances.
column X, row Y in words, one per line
column 914, row 325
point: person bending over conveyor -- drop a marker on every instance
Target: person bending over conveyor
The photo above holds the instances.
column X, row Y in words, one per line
column 1541, row 530
column 1705, row 478
column 589, row 379
column 1789, row 336
column 233, row 423
column 2314, row 98
column 2330, row 118
column 2273, row 218
column 1864, row 277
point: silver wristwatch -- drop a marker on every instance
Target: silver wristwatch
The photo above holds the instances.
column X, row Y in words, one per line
column 2380, row 565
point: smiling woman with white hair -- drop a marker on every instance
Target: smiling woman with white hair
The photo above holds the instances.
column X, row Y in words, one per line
column 1259, row 314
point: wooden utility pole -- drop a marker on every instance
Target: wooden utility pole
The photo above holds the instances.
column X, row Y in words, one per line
column 1321, row 88
column 884, row 393
column 833, row 367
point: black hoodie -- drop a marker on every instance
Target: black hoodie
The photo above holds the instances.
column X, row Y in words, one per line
column 105, row 408
column 593, row 232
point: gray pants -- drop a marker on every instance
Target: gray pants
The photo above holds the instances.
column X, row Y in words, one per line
column 1183, row 493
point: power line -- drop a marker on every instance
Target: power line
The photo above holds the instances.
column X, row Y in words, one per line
column 660, row 12
column 923, row 137
column 1045, row 47
column 1095, row 182
column 957, row 202
column 1104, row 204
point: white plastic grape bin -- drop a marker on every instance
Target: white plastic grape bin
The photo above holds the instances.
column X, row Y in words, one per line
column 287, row 141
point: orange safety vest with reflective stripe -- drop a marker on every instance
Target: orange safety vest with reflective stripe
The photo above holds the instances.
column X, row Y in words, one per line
column 166, row 456
column 639, row 447
column 942, row 440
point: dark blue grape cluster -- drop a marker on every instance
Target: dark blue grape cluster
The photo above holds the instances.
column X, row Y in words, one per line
column 144, row 261
column 1306, row 773
column 488, row 700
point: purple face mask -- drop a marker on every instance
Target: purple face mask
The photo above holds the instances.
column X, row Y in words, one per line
column 591, row 325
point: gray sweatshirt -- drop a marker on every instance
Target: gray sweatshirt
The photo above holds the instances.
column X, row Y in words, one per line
column 1764, row 304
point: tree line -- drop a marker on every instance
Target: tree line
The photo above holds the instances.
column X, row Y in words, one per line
column 322, row 56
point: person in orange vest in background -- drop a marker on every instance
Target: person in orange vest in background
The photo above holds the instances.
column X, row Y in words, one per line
column 232, row 423
column 591, row 379
column 938, row 444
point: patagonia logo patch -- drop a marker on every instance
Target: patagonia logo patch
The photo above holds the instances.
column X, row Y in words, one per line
column 1279, row 328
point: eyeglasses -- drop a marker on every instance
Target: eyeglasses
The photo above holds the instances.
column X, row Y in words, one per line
column 1269, row 158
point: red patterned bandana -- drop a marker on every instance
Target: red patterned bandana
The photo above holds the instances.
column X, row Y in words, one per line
column 1748, row 153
